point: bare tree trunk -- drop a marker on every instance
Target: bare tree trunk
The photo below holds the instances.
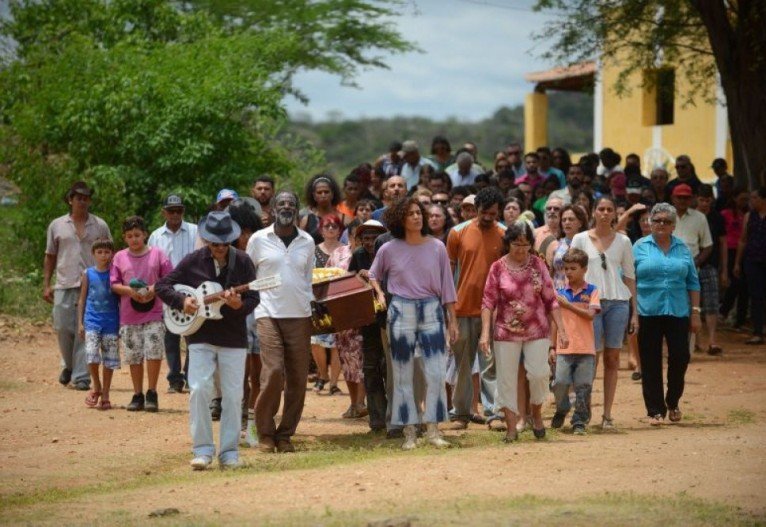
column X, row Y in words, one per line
column 738, row 41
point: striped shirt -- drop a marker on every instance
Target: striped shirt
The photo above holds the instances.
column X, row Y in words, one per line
column 177, row 244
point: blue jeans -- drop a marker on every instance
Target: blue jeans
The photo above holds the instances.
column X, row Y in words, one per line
column 202, row 366
column 578, row 370
column 417, row 324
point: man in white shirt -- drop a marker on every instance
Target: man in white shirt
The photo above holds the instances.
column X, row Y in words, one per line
column 283, row 322
column 464, row 171
column 412, row 164
column 176, row 239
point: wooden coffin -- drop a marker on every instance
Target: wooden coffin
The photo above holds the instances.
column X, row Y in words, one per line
column 343, row 302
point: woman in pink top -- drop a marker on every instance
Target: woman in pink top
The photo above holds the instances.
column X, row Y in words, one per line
column 733, row 217
column 519, row 295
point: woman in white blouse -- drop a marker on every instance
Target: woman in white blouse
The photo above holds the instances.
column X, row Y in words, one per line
column 611, row 270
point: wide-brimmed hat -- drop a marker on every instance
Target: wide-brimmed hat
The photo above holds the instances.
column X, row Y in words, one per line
column 218, row 227
column 370, row 225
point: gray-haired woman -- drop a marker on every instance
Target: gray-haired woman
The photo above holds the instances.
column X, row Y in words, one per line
column 668, row 306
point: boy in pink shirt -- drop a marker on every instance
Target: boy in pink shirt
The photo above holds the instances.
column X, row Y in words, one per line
column 575, row 365
column 135, row 270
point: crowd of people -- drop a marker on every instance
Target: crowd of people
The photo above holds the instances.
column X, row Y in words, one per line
column 495, row 286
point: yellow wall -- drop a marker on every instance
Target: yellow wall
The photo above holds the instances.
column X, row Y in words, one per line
column 693, row 131
column 535, row 121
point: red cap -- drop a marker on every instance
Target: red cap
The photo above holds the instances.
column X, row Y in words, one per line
column 682, row 190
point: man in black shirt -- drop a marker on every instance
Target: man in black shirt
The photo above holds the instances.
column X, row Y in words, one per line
column 221, row 342
column 374, row 361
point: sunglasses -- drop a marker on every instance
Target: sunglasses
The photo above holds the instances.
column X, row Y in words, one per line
column 662, row 221
column 440, row 201
column 603, row 261
column 331, row 226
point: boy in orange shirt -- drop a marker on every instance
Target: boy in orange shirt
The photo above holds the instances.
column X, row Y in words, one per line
column 575, row 365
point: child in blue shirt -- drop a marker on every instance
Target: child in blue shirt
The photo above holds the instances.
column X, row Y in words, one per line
column 98, row 320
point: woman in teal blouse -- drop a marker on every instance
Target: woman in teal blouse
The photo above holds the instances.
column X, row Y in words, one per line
column 667, row 291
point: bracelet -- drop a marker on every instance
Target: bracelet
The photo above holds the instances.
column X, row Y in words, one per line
column 696, row 310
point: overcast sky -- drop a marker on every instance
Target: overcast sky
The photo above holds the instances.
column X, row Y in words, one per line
column 475, row 55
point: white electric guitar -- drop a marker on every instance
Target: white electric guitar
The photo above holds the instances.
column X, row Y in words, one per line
column 209, row 297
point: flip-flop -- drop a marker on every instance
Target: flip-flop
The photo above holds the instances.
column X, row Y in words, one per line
column 91, row 400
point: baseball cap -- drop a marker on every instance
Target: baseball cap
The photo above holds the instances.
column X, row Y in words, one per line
column 226, row 193
column 173, row 201
column 682, row 190
column 634, row 187
column 469, row 200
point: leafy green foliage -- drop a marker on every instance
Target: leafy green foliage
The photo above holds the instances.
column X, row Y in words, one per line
column 348, row 143
column 141, row 98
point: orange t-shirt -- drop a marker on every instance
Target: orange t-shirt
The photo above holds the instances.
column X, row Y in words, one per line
column 473, row 250
column 579, row 329
column 344, row 209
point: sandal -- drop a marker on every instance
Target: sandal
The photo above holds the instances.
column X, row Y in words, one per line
column 334, row 389
column 319, row 385
column 105, row 405
column 477, row 419
column 91, row 400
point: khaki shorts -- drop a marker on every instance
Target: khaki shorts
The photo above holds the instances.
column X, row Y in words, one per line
column 143, row 342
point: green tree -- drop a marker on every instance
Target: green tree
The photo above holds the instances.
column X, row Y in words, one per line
column 143, row 98
column 699, row 38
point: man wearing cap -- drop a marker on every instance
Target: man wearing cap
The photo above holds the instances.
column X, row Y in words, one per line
column 692, row 228
column 218, row 343
column 412, row 163
column 283, row 322
column 468, row 208
column 176, row 239
column 68, row 253
column 373, row 352
column 224, row 197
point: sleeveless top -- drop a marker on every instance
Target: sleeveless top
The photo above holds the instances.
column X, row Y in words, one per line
column 755, row 249
column 102, row 311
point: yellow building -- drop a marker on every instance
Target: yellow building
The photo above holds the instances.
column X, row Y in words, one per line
column 650, row 121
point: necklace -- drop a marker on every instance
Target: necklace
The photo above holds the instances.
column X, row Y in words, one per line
column 514, row 267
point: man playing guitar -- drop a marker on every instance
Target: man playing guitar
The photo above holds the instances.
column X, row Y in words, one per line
column 218, row 341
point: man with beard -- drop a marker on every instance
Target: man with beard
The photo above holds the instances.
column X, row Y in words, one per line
column 283, row 321
column 575, row 178
column 263, row 191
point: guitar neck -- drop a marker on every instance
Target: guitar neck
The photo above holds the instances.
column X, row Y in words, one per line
column 215, row 297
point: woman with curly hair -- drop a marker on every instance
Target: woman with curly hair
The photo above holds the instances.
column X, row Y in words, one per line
column 417, row 273
column 323, row 197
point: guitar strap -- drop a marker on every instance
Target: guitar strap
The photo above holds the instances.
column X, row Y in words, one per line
column 230, row 267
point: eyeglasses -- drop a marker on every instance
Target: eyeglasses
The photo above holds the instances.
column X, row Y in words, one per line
column 662, row 221
column 521, row 245
column 553, row 209
column 331, row 226
column 603, row 261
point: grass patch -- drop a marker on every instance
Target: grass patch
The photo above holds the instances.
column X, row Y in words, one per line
column 7, row 386
column 312, row 453
column 602, row 509
column 740, row 416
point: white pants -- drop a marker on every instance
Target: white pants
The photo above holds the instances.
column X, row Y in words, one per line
column 203, row 359
column 507, row 358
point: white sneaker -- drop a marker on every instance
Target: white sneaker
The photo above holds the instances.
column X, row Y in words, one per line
column 607, row 424
column 410, row 438
column 249, row 438
column 200, row 462
column 433, row 436
column 231, row 464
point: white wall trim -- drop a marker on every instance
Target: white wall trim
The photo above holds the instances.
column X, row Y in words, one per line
column 598, row 108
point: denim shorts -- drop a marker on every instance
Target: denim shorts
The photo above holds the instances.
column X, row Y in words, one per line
column 610, row 323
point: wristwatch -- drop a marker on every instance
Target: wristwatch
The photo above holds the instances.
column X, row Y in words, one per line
column 696, row 310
